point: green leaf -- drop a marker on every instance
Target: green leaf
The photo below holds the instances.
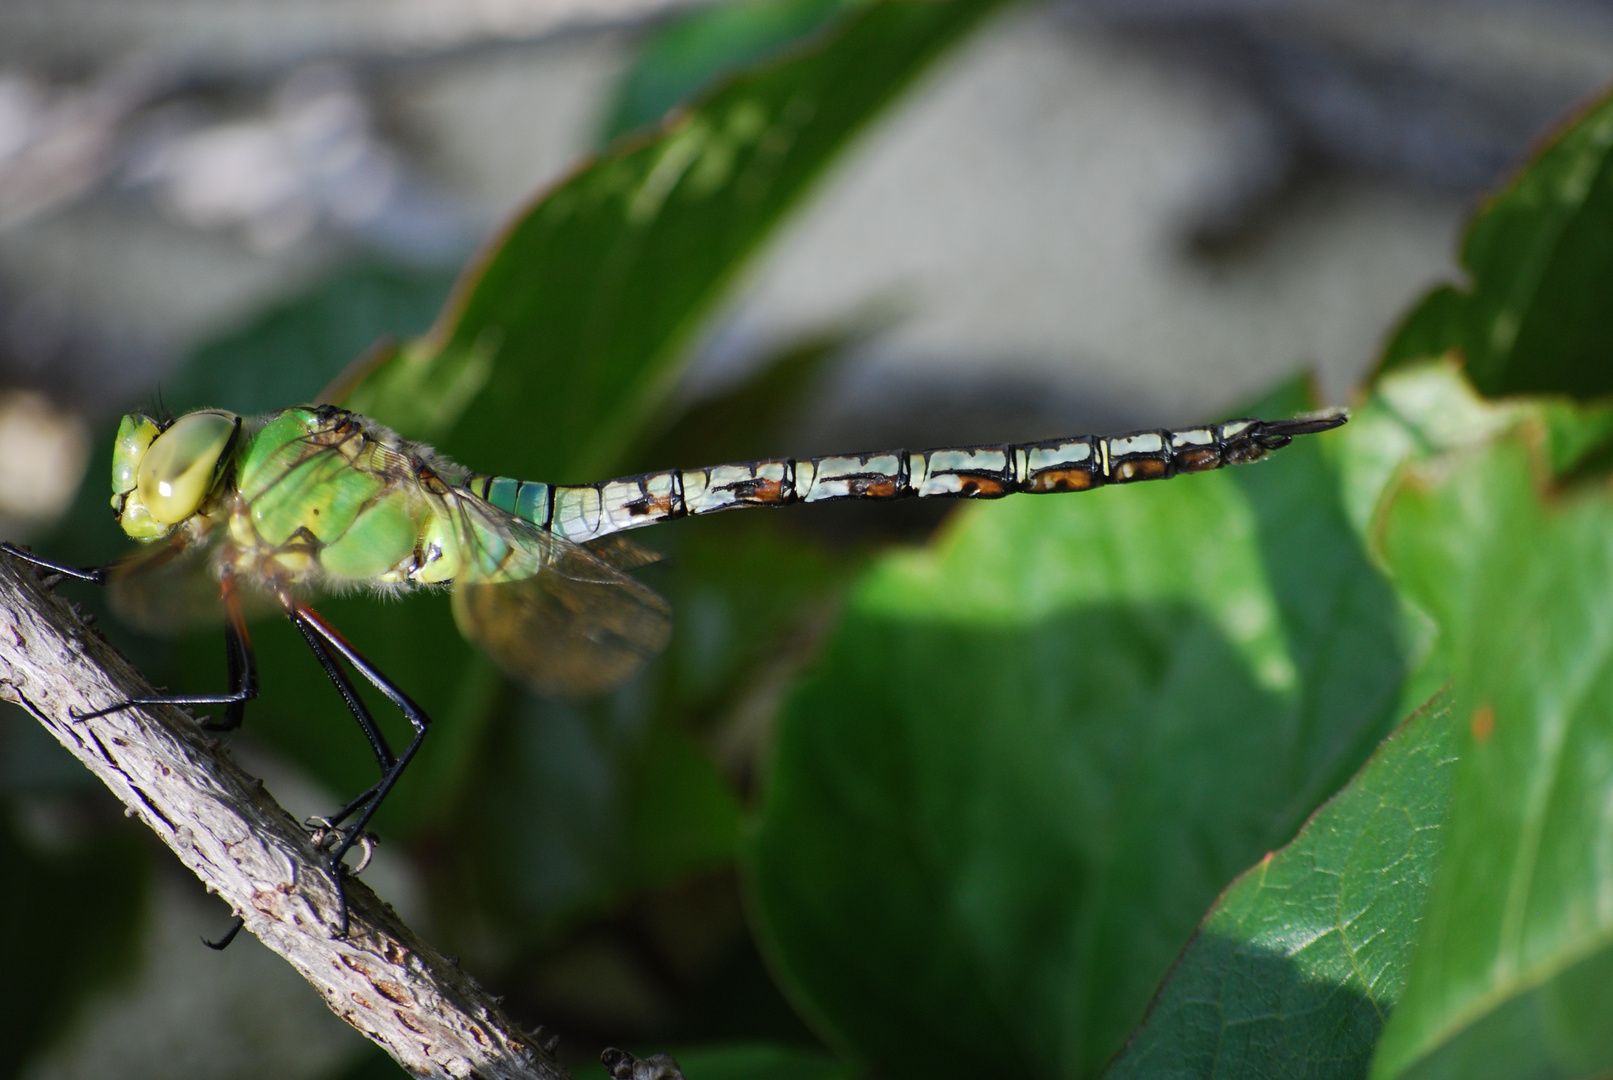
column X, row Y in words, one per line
column 573, row 324
column 1537, row 311
column 1426, row 412
column 745, row 421
column 744, row 591
column 1296, row 966
column 580, row 805
column 285, row 354
column 693, row 49
column 1514, row 969
column 1034, row 754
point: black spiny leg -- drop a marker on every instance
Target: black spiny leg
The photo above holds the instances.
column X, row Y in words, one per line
column 242, row 666
column 95, row 575
column 322, row 639
column 238, row 655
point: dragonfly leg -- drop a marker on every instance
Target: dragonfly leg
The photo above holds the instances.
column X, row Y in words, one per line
column 229, row 935
column 323, row 639
column 243, row 673
column 95, row 575
column 384, row 757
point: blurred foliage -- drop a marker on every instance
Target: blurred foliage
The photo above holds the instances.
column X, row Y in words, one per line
column 71, row 902
column 572, row 328
column 1085, row 785
column 757, row 1061
column 1533, row 315
column 692, row 49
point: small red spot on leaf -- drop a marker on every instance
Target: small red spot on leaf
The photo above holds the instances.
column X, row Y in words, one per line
column 1482, row 723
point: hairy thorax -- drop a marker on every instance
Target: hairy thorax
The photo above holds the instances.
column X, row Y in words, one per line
column 323, row 496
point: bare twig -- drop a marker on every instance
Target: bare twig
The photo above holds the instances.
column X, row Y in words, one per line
column 382, row 979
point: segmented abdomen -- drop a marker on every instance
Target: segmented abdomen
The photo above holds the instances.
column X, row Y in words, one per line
column 589, row 511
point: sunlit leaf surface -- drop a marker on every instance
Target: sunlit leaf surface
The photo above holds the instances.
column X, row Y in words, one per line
column 1536, row 312
column 1298, row 963
column 1514, row 969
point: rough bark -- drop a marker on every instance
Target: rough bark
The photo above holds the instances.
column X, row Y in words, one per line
column 382, row 979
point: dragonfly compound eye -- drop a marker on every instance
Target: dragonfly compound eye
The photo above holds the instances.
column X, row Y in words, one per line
column 178, row 470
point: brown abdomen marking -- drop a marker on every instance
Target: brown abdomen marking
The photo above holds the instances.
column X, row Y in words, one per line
column 852, row 476
column 1194, row 450
column 966, row 472
column 1061, row 465
column 1141, row 456
column 638, row 500
column 1051, row 480
column 755, row 483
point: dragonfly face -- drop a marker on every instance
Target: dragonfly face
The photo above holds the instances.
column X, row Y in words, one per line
column 162, row 476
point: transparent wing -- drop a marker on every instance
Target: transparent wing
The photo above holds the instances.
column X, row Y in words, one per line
column 621, row 552
column 172, row 585
column 552, row 614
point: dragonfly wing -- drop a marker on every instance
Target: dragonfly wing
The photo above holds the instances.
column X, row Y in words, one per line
column 552, row 614
column 172, row 585
column 622, row 553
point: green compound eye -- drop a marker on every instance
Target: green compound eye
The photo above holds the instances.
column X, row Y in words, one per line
column 177, row 471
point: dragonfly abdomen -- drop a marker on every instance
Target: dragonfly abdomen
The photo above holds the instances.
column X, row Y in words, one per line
column 589, row 511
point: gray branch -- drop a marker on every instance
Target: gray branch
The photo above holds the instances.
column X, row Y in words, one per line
column 382, row 979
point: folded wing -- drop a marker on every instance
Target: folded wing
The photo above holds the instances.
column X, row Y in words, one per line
column 550, row 613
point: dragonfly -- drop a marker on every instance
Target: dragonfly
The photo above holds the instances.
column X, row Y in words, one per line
column 237, row 515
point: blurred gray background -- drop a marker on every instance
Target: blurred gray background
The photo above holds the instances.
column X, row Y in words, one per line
column 1102, row 213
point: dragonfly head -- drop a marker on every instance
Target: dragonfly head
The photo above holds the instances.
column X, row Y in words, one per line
column 163, row 473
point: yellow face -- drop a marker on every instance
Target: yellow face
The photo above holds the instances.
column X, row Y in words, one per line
column 161, row 476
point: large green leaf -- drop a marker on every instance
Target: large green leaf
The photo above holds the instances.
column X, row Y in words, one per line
column 1296, row 967
column 283, row 355
column 566, row 334
column 1514, row 970
column 1298, row 963
column 1034, row 754
column 1537, row 311
column 580, row 805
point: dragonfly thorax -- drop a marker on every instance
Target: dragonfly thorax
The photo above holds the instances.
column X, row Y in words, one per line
column 322, row 495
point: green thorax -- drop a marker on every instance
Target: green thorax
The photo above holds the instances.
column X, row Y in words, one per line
column 320, row 487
